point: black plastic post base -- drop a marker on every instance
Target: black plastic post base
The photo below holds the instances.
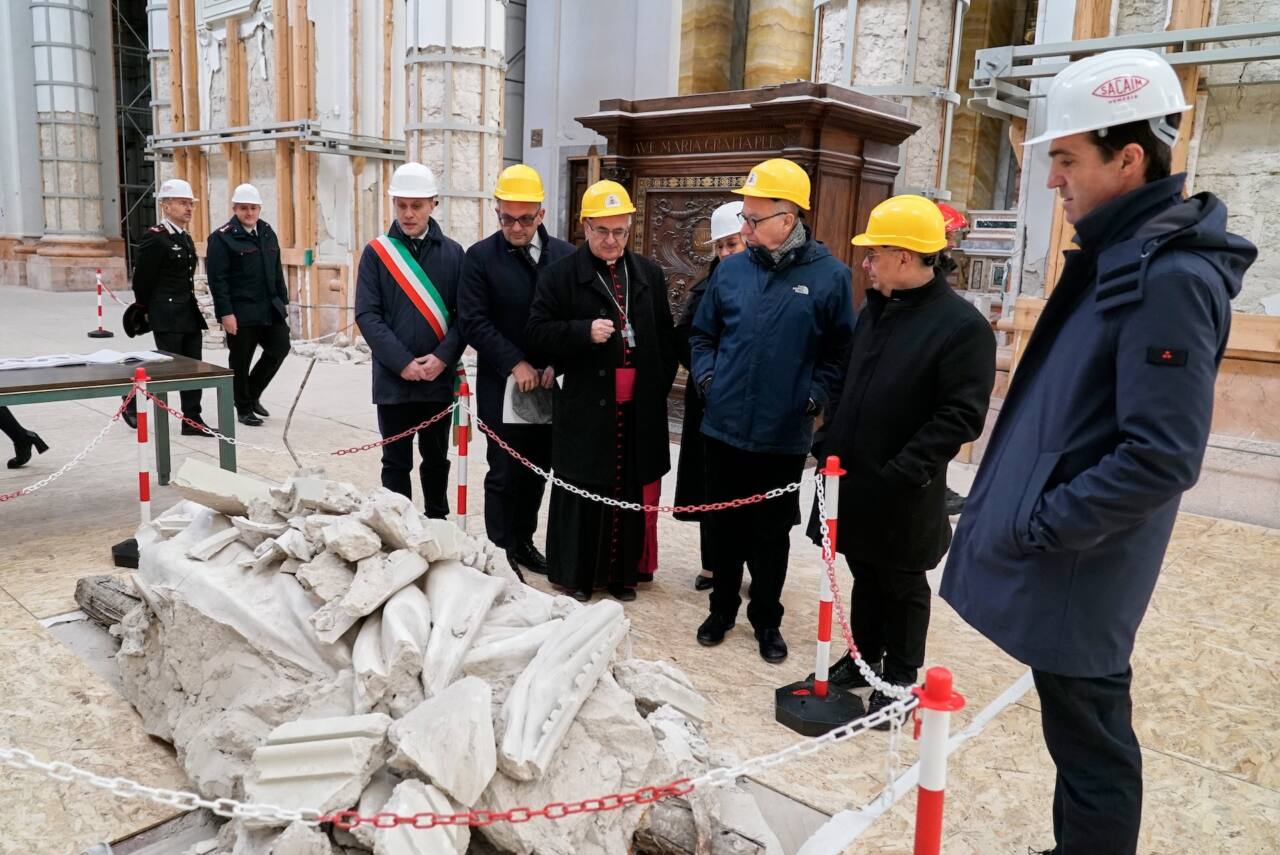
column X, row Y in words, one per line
column 125, row 554
column 797, row 707
column 101, row 334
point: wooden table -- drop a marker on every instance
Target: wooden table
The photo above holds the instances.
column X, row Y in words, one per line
column 77, row 382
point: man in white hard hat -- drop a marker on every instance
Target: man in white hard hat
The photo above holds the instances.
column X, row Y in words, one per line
column 496, row 291
column 691, row 475
column 164, row 286
column 1103, row 428
column 250, row 298
column 406, row 306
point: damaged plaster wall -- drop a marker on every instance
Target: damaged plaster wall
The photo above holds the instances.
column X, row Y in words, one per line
column 831, row 50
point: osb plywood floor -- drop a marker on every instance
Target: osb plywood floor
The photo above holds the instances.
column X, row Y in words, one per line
column 1207, row 675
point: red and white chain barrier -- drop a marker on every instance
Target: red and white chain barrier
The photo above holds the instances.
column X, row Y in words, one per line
column 830, row 474
column 101, row 332
column 462, row 435
column 69, row 465
column 144, row 459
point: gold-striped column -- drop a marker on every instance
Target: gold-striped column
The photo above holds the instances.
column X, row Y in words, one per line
column 779, row 42
column 706, row 46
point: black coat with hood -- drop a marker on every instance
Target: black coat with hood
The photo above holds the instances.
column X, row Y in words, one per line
column 691, row 481
column 1103, row 429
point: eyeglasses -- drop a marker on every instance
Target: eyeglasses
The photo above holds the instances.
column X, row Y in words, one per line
column 618, row 235
column 507, row 221
column 755, row 222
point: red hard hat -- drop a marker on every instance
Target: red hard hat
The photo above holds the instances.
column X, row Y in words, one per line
column 952, row 219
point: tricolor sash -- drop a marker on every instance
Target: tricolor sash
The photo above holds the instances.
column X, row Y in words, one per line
column 421, row 291
column 414, row 282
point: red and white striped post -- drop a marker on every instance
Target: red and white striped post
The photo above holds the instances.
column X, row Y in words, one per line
column 464, row 436
column 937, row 703
column 144, row 459
column 100, row 332
column 831, row 492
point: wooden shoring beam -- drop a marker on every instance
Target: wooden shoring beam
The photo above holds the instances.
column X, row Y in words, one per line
column 284, row 167
column 197, row 164
column 388, row 29
column 176, row 99
column 1185, row 15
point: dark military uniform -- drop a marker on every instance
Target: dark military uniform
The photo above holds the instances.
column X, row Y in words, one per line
column 246, row 279
column 163, row 284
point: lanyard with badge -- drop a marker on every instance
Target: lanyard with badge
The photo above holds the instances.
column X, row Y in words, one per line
column 624, row 377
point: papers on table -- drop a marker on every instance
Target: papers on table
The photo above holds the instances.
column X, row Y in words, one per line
column 100, row 357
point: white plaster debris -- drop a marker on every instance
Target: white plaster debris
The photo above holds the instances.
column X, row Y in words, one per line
column 282, row 681
column 460, row 597
column 449, row 739
column 328, row 576
column 411, row 797
column 377, row 578
column 655, row 683
column 351, row 539
column 318, row 763
column 208, row 485
column 547, row 695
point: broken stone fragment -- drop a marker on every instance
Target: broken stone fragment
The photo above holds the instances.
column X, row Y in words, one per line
column 290, row 565
column 213, row 544
column 460, row 597
column 294, row 545
column 394, row 518
column 302, row 839
column 323, row 764
column 351, row 539
column 226, row 492
column 548, row 693
column 414, row 797
column 449, row 739
column 388, row 651
column 254, row 533
column 373, row 800
column 656, row 683
column 327, row 576
column 263, row 512
column 315, row 524
column 330, row 497
column 377, row 578
column 500, row 653
column 442, row 540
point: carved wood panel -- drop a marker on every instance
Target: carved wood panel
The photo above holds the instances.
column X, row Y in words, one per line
column 673, row 225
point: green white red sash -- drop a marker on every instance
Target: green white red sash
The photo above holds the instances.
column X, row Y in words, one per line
column 421, row 291
column 414, row 282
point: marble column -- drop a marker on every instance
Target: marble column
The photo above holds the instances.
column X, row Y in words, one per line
column 74, row 246
column 706, row 46
column 779, row 42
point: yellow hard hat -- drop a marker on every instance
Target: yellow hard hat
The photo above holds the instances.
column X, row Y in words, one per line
column 606, row 199
column 519, row 183
column 778, row 178
column 907, row 221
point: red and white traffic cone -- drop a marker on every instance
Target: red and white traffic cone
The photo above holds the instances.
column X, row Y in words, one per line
column 100, row 332
column 125, row 553
column 814, row 707
column 933, row 728
column 463, row 437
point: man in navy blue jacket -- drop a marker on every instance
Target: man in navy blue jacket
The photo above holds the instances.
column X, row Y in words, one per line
column 409, row 325
column 498, row 281
column 768, row 343
column 1104, row 427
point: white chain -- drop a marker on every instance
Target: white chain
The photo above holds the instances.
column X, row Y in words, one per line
column 873, row 680
column 66, row 467
column 892, row 760
column 555, row 480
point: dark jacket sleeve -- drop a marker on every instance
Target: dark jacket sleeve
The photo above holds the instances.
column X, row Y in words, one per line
column 684, row 326
column 146, row 268
column 450, row 350
column 282, row 284
column 966, row 374
column 371, row 316
column 1163, row 413
column 833, row 348
column 217, row 264
column 666, row 329
column 551, row 329
column 474, row 302
column 704, row 335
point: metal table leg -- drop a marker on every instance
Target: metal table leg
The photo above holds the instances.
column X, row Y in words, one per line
column 226, row 424
column 160, row 429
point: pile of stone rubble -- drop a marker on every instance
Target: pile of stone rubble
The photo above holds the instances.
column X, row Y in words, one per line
column 340, row 349
column 306, row 645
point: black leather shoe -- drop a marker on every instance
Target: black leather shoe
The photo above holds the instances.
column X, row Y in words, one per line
column 515, row 567
column 878, row 701
column 528, row 557
column 622, row 594
column 250, row 418
column 713, row 629
column 845, row 674
column 954, row 503
column 772, row 647
column 703, row 583
column 130, row 418
column 582, row 595
column 22, row 449
column 203, row 430
column 260, row 410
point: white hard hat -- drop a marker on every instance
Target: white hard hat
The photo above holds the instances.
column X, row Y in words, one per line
column 724, row 220
column 1110, row 89
column 176, row 188
column 413, row 181
column 246, row 194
